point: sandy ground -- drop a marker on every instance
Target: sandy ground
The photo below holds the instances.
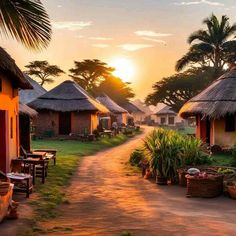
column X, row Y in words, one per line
column 107, row 199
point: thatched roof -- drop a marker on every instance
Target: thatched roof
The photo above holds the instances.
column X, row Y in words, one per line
column 28, row 95
column 67, row 97
column 26, row 110
column 215, row 101
column 110, row 104
column 165, row 111
column 131, row 108
column 9, row 68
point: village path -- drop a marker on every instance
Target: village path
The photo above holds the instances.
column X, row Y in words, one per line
column 106, row 198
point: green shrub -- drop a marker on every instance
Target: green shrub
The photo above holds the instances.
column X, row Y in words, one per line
column 136, row 157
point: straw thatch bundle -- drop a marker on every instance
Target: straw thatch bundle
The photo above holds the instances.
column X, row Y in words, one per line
column 215, row 101
column 28, row 95
column 26, row 110
column 110, row 104
column 67, row 97
column 9, row 68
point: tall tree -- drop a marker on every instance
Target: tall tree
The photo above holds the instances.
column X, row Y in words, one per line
column 212, row 47
column 43, row 71
column 26, row 21
column 89, row 73
column 116, row 89
column 175, row 90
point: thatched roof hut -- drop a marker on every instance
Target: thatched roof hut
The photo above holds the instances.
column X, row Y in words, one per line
column 67, row 97
column 215, row 109
column 28, row 95
column 166, row 111
column 9, row 68
column 131, row 108
column 217, row 100
column 110, row 104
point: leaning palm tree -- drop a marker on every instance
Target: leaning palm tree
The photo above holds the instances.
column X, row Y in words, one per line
column 215, row 45
column 26, row 21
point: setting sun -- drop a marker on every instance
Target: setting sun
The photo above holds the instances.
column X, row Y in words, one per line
column 124, row 69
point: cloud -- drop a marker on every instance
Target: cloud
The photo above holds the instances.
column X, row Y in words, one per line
column 71, row 25
column 155, row 40
column 100, row 38
column 149, row 33
column 59, row 6
column 101, row 45
column 134, row 47
column 79, row 36
column 207, row 2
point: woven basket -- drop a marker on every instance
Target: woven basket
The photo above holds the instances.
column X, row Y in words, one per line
column 204, row 187
column 182, row 179
column 4, row 188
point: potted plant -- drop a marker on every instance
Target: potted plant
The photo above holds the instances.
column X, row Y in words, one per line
column 162, row 146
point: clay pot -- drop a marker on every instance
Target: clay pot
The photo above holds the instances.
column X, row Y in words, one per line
column 161, row 180
column 232, row 191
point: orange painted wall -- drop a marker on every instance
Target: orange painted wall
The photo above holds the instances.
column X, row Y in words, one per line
column 9, row 101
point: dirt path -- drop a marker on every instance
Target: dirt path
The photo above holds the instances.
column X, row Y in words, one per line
column 107, row 200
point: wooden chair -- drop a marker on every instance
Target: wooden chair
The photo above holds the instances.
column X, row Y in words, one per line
column 21, row 177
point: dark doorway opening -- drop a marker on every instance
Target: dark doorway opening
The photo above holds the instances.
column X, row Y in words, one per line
column 64, row 123
column 208, row 131
column 3, row 141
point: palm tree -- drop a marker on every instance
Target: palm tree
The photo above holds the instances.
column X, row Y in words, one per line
column 215, row 45
column 26, row 21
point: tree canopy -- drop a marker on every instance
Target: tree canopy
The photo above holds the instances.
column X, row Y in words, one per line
column 43, row 71
column 175, row 90
column 89, row 73
column 27, row 21
column 214, row 46
column 116, row 89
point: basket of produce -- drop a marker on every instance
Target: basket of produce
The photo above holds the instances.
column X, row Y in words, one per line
column 204, row 185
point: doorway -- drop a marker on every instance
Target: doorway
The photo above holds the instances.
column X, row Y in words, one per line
column 3, row 141
column 208, row 131
column 64, row 123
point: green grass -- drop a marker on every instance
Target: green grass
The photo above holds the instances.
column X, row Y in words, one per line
column 222, row 159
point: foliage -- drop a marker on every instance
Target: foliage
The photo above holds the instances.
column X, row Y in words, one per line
column 233, row 161
column 43, row 71
column 115, row 88
column 136, row 157
column 169, row 150
column 225, row 171
column 26, row 21
column 89, row 73
column 175, row 90
column 215, row 45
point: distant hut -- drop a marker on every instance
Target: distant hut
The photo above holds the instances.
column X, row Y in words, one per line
column 166, row 116
column 137, row 114
column 28, row 95
column 26, row 116
column 11, row 79
column 118, row 114
column 66, row 109
column 215, row 109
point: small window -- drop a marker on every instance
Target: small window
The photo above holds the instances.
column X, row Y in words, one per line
column 229, row 123
column 171, row 120
column 11, row 124
column 163, row 120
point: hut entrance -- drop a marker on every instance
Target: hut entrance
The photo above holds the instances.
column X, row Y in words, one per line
column 64, row 123
column 3, row 140
column 208, row 131
column 205, row 130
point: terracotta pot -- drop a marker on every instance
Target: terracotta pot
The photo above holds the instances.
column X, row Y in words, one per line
column 161, row 180
column 232, row 191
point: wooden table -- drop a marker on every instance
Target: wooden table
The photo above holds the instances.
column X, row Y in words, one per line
column 50, row 151
column 20, row 178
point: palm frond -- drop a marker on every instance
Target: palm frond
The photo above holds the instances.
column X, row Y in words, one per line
column 26, row 21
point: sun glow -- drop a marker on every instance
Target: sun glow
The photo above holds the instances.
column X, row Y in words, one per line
column 124, row 69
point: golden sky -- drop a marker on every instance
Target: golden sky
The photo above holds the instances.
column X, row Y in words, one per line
column 148, row 35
